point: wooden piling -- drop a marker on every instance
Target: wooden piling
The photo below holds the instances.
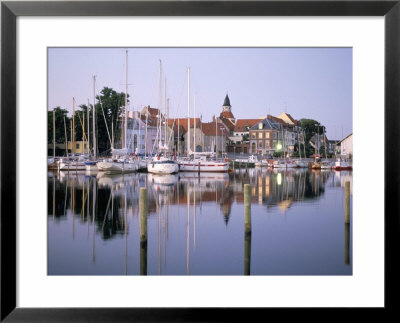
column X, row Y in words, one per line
column 347, row 244
column 247, row 228
column 143, row 230
column 347, row 202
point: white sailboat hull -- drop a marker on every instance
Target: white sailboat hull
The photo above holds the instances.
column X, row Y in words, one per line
column 113, row 167
column 162, row 168
column 162, row 165
column 72, row 166
column 203, row 166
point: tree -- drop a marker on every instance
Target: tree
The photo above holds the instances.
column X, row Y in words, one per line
column 311, row 127
column 59, row 125
column 112, row 103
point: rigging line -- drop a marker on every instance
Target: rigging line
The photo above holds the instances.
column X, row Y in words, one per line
column 102, row 110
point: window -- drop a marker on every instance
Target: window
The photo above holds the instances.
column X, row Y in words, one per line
column 260, row 145
column 77, row 146
column 267, row 135
column 253, row 136
column 274, row 135
column 260, row 125
column 266, row 143
column 260, row 135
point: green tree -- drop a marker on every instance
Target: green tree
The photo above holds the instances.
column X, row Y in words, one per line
column 59, row 125
column 113, row 107
column 311, row 127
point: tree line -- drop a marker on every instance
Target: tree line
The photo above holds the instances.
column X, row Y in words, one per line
column 109, row 109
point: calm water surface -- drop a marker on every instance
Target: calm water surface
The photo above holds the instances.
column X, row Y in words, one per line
column 196, row 224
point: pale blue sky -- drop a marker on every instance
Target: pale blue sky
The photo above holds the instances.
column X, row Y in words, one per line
column 311, row 83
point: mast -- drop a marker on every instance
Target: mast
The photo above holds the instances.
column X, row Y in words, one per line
column 112, row 133
column 126, row 100
column 88, row 132
column 73, row 126
column 178, row 139
column 188, row 115
column 145, row 143
column 318, row 142
column 139, row 126
column 166, row 124
column 94, row 117
column 83, row 131
column 71, row 136
column 165, row 113
column 325, row 144
column 194, row 123
column 159, row 105
column 66, row 139
column 216, row 140
column 54, row 133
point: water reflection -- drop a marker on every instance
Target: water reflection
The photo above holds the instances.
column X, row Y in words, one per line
column 98, row 218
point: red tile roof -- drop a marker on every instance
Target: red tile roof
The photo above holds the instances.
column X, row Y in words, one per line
column 227, row 115
column 209, row 129
column 183, row 122
column 241, row 124
column 228, row 123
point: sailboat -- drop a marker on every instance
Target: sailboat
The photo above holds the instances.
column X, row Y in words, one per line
column 200, row 161
column 75, row 162
column 161, row 164
column 285, row 162
column 301, row 163
column 342, row 164
column 91, row 165
column 120, row 162
column 325, row 164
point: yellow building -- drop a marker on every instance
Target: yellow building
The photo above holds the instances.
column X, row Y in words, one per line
column 80, row 147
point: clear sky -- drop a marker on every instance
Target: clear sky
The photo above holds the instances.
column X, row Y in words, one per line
column 313, row 83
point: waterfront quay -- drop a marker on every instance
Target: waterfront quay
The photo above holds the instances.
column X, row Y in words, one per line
column 254, row 221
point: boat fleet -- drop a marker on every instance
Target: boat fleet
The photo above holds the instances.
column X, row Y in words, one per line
column 163, row 162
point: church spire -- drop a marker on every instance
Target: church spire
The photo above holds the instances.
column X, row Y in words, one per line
column 227, row 102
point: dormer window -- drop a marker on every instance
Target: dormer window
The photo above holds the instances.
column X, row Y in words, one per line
column 260, row 126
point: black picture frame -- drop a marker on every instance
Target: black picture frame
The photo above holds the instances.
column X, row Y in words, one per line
column 10, row 10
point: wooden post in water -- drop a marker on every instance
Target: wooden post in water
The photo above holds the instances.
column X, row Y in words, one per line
column 347, row 244
column 247, row 228
column 347, row 223
column 143, row 230
column 347, row 202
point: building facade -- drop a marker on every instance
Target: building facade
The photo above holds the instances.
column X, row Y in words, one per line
column 346, row 146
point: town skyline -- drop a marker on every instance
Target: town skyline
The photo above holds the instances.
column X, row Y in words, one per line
column 259, row 81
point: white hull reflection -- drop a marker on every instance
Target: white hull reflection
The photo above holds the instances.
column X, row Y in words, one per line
column 163, row 180
column 203, row 177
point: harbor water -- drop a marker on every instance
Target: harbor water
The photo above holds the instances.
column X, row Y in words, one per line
column 195, row 223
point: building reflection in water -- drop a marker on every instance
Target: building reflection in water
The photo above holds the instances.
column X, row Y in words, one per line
column 108, row 203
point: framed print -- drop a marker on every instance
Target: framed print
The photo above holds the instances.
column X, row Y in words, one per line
column 266, row 162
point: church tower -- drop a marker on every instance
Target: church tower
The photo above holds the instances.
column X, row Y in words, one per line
column 227, row 104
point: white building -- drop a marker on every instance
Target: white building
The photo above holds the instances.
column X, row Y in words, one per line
column 346, row 146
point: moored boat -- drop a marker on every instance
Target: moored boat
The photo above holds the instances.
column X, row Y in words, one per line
column 341, row 164
column 118, row 166
column 203, row 162
column 162, row 165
